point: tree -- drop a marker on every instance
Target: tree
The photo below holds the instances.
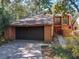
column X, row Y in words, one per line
column 63, row 7
column 45, row 5
column 75, row 4
column 39, row 6
column 4, row 16
column 18, row 10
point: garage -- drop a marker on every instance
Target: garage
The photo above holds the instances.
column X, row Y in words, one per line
column 33, row 28
column 30, row 33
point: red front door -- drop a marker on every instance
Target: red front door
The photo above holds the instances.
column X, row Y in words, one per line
column 58, row 29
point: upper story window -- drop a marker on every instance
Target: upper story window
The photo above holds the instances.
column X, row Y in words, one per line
column 57, row 21
column 65, row 21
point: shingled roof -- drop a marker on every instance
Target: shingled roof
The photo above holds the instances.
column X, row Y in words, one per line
column 35, row 20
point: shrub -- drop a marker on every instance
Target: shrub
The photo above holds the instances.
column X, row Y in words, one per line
column 2, row 40
column 75, row 51
column 64, row 53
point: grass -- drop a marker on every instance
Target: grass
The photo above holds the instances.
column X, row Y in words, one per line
column 71, row 51
column 68, row 52
column 74, row 40
column 62, row 52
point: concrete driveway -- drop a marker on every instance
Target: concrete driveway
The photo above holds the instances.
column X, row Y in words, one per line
column 21, row 49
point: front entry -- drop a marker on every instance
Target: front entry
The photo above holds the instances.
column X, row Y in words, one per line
column 30, row 33
column 58, row 25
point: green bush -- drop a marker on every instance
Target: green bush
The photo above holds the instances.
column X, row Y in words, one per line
column 73, row 45
column 62, row 52
column 75, row 51
column 2, row 40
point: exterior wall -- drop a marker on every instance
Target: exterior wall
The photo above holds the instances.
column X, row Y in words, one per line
column 10, row 33
column 48, row 33
column 76, row 25
column 66, row 31
column 67, row 28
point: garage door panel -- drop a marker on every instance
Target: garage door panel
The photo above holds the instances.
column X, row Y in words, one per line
column 33, row 33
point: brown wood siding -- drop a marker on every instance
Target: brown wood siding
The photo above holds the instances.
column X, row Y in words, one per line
column 10, row 33
column 48, row 33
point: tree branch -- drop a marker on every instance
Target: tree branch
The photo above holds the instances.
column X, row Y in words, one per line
column 75, row 5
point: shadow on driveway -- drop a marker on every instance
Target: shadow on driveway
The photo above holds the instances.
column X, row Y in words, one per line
column 21, row 49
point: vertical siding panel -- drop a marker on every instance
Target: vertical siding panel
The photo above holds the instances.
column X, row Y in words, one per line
column 48, row 33
column 10, row 33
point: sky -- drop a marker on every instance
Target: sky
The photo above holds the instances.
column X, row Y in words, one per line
column 54, row 0
column 78, row 3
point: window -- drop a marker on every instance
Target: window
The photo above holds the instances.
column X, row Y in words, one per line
column 65, row 21
column 57, row 21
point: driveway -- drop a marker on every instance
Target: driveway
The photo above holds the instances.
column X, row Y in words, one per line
column 21, row 49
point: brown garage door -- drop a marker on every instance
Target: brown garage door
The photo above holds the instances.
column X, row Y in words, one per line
column 30, row 33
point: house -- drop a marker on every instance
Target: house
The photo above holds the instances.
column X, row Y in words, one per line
column 40, row 27
column 76, row 24
column 62, row 24
column 76, row 27
column 34, row 28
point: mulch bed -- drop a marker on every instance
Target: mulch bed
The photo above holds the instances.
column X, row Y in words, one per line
column 47, row 53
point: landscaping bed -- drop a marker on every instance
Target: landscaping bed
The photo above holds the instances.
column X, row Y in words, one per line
column 58, row 52
column 3, row 41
